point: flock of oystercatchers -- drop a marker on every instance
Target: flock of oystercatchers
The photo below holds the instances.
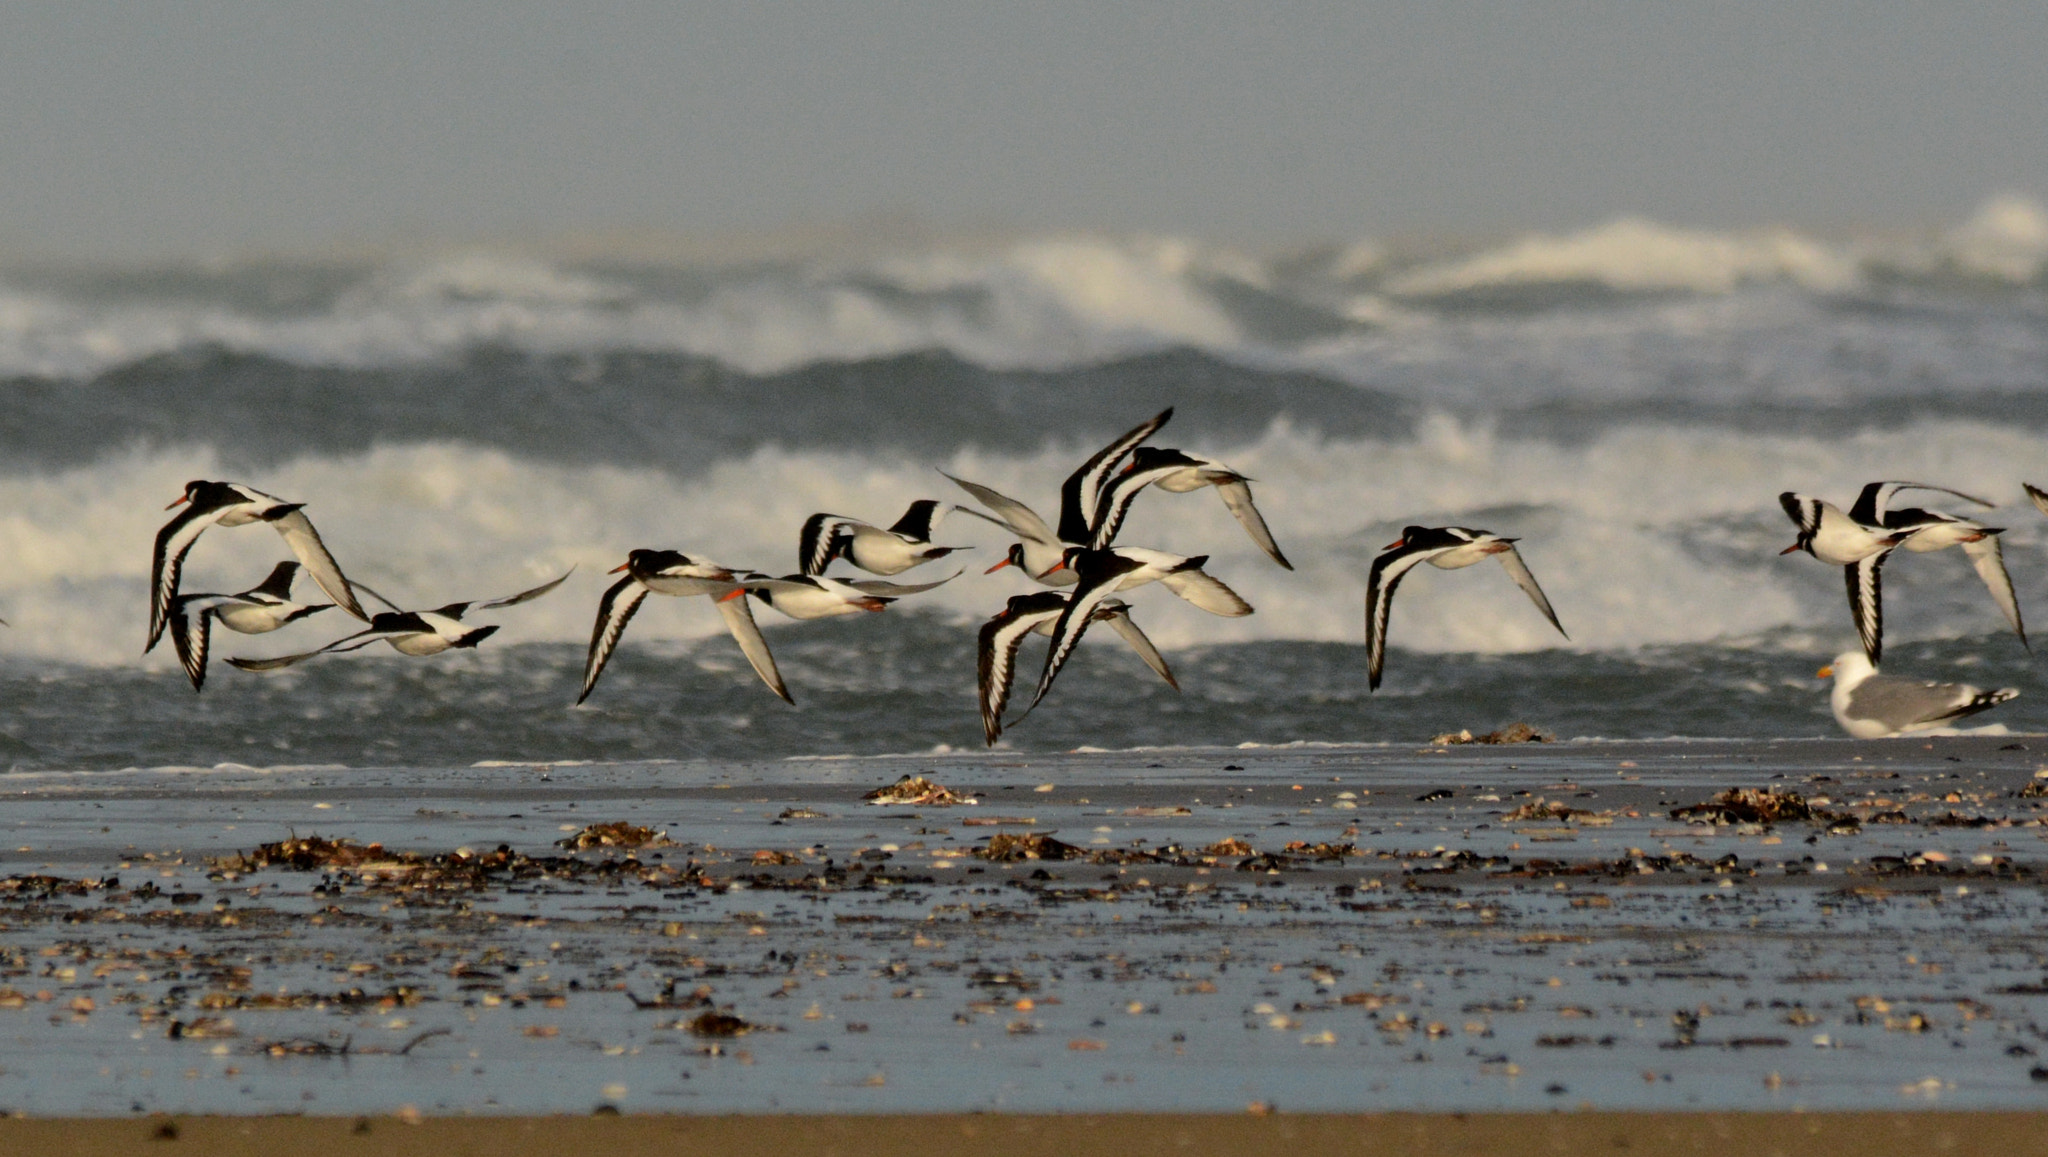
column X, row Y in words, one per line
column 1080, row 554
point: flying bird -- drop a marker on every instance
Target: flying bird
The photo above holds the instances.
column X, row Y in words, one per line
column 232, row 504
column 1445, row 547
column 417, row 633
column 669, row 572
column 1037, row 612
column 1933, row 530
column 259, row 610
column 1179, row 472
column 906, row 544
column 1858, row 547
column 1101, row 573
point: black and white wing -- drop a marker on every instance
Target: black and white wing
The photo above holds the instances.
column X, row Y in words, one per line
column 1115, row 501
column 305, row 542
column 1098, row 573
column 1010, row 514
column 1511, row 561
column 191, row 623
column 167, row 562
column 822, row 539
column 884, row 589
column 922, row 520
column 1118, row 616
column 1805, row 513
column 1988, row 557
column 1866, row 601
column 620, row 602
column 1079, row 492
column 278, row 584
column 1387, row 572
column 739, row 619
column 1237, row 495
column 1875, row 499
column 996, row 653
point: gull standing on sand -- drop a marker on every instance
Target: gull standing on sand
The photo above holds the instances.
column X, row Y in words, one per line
column 1872, row 706
column 1445, row 547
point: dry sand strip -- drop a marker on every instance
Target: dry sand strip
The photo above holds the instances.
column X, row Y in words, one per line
column 1125, row 1135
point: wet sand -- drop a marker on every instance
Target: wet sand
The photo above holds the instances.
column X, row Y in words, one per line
column 1299, row 930
column 1127, row 1135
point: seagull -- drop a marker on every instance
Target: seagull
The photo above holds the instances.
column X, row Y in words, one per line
column 1872, row 706
column 415, row 633
column 259, row 610
column 232, row 504
column 1105, row 572
column 1932, row 530
column 885, row 552
column 1858, row 547
column 668, row 572
column 1032, row 613
column 1446, row 547
column 1179, row 472
column 1039, row 549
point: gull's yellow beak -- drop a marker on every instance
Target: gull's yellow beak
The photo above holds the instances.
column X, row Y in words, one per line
column 1825, row 672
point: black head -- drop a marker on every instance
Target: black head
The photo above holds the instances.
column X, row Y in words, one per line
column 205, row 495
column 647, row 562
column 1151, row 457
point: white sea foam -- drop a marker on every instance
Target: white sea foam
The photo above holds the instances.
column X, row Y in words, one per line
column 1044, row 302
column 1640, row 535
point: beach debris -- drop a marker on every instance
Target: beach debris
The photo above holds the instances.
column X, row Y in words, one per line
column 1750, row 805
column 1512, row 733
column 1544, row 809
column 916, row 789
column 1229, row 846
column 1008, row 847
column 802, row 813
column 617, row 834
column 461, row 869
column 719, row 1024
column 305, row 1047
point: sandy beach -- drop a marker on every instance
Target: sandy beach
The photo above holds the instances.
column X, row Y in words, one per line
column 1813, row 925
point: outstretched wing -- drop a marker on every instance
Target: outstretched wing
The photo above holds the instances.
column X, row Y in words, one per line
column 739, row 619
column 279, row 583
column 1237, row 495
column 1387, row 572
column 1119, row 619
column 996, row 664
column 527, row 595
column 353, row 642
column 1866, row 601
column 891, row 590
column 1079, row 492
column 1511, row 561
column 820, row 541
column 2039, row 496
column 1115, row 502
column 1096, row 584
column 922, row 520
column 167, row 562
column 305, row 542
column 354, row 585
column 1875, row 499
column 1207, row 592
column 1988, row 557
column 1010, row 513
column 191, row 635
column 621, row 600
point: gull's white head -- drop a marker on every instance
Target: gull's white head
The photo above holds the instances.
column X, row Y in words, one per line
column 1849, row 668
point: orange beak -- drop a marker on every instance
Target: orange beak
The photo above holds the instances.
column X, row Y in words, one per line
column 1825, row 672
column 1401, row 541
column 738, row 593
column 182, row 500
column 997, row 567
column 618, row 568
column 1055, row 568
column 1790, row 549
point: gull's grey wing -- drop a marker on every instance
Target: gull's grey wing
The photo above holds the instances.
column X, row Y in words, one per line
column 1903, row 703
column 1988, row 557
column 1511, row 561
column 1079, row 492
column 1866, row 601
column 1238, row 497
column 1010, row 513
column 353, row 642
column 884, row 589
column 1119, row 620
column 305, row 542
column 614, row 610
column 167, row 561
column 739, row 619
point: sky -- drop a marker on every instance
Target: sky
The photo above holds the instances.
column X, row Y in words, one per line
column 208, row 128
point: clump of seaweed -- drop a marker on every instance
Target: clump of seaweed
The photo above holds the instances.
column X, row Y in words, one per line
column 618, row 834
column 917, row 790
column 1512, row 733
column 1749, row 805
column 1008, row 847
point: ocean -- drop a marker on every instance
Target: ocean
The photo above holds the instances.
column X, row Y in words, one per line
column 1627, row 400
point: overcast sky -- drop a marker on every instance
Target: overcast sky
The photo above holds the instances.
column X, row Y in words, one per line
column 205, row 127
